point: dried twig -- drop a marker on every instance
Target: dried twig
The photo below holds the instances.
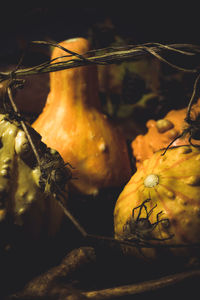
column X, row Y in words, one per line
column 193, row 97
column 23, row 124
column 142, row 287
column 44, row 285
column 55, row 283
column 109, row 56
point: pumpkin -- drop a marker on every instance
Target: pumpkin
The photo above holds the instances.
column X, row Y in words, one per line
column 72, row 123
column 165, row 190
column 161, row 132
column 22, row 199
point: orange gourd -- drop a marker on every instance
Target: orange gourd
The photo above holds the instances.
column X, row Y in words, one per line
column 160, row 133
column 72, row 123
column 171, row 186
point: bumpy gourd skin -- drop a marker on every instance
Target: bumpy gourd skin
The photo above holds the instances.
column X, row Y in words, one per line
column 162, row 132
column 21, row 196
column 175, row 189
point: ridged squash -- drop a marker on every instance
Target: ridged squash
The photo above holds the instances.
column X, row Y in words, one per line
column 72, row 123
column 170, row 185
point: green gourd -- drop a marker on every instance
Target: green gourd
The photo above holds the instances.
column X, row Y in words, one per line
column 22, row 197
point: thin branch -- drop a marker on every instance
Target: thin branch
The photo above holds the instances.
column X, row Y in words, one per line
column 70, row 216
column 55, row 281
column 23, row 125
column 96, row 239
column 142, row 287
column 40, row 286
column 193, row 97
column 110, row 56
column 72, row 53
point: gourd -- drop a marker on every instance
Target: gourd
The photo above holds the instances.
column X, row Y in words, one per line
column 72, row 123
column 170, row 185
column 161, row 132
column 22, row 199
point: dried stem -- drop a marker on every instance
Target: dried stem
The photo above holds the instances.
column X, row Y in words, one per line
column 47, row 285
column 42, row 287
column 109, row 56
column 15, row 109
column 193, row 97
column 142, row 287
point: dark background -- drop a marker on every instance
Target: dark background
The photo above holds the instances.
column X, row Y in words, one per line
column 135, row 22
column 141, row 21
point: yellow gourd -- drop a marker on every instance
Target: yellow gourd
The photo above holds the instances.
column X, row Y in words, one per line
column 72, row 123
column 169, row 187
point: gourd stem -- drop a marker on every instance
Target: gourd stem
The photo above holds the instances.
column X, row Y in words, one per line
column 142, row 287
column 23, row 125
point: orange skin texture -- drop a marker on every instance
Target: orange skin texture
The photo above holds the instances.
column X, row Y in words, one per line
column 72, row 123
column 177, row 195
column 144, row 146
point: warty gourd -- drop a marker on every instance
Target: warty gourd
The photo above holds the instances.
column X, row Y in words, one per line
column 22, row 197
column 170, row 185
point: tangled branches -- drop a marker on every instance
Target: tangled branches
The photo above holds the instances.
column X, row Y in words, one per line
column 108, row 56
